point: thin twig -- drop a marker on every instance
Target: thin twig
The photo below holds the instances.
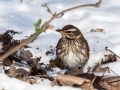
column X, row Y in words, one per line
column 114, row 81
column 80, row 6
column 114, row 72
column 44, row 27
column 62, row 12
column 42, row 76
column 48, row 9
column 112, row 52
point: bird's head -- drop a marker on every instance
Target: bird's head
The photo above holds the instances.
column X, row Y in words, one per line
column 70, row 32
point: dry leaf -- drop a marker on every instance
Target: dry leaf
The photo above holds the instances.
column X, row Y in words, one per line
column 109, row 58
column 104, row 70
column 68, row 80
column 12, row 71
column 113, row 80
column 51, row 27
column 89, row 70
column 88, row 85
column 97, row 30
column 36, row 65
column 74, row 72
column 99, row 69
column 107, row 86
column 25, row 55
column 21, row 71
column 56, row 63
column 29, row 80
column 112, row 57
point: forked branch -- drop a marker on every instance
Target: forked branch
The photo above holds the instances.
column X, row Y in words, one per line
column 56, row 15
column 44, row 27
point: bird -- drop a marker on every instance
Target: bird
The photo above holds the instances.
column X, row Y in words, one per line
column 72, row 48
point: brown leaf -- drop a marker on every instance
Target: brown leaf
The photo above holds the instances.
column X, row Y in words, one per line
column 36, row 65
column 12, row 71
column 29, row 80
column 56, row 63
column 89, row 70
column 92, row 77
column 54, row 82
column 107, row 86
column 69, row 80
column 21, row 71
column 109, row 58
column 74, row 72
column 104, row 70
column 97, row 30
column 112, row 57
column 88, row 85
column 51, row 27
column 113, row 80
column 25, row 55
column 99, row 69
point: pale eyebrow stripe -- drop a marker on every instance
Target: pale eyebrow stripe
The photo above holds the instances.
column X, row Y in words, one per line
column 71, row 30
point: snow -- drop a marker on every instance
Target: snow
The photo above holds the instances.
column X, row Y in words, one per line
column 8, row 83
column 21, row 17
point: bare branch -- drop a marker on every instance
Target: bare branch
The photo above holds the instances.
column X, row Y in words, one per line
column 62, row 12
column 48, row 9
column 112, row 52
column 14, row 49
column 81, row 6
column 44, row 27
column 114, row 72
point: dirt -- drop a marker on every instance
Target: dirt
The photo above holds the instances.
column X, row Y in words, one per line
column 23, row 60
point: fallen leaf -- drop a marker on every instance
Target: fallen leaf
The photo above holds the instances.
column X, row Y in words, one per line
column 68, row 80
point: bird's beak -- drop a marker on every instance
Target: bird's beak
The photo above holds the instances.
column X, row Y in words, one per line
column 59, row 30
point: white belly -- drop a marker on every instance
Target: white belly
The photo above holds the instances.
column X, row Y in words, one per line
column 74, row 60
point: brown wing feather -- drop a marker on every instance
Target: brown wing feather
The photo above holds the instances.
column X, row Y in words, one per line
column 59, row 46
column 87, row 48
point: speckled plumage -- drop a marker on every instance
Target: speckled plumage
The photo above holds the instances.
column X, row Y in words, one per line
column 72, row 48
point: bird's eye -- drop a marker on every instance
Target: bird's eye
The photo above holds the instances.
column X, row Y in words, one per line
column 68, row 31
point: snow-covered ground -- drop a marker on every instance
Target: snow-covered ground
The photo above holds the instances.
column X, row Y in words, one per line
column 21, row 17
